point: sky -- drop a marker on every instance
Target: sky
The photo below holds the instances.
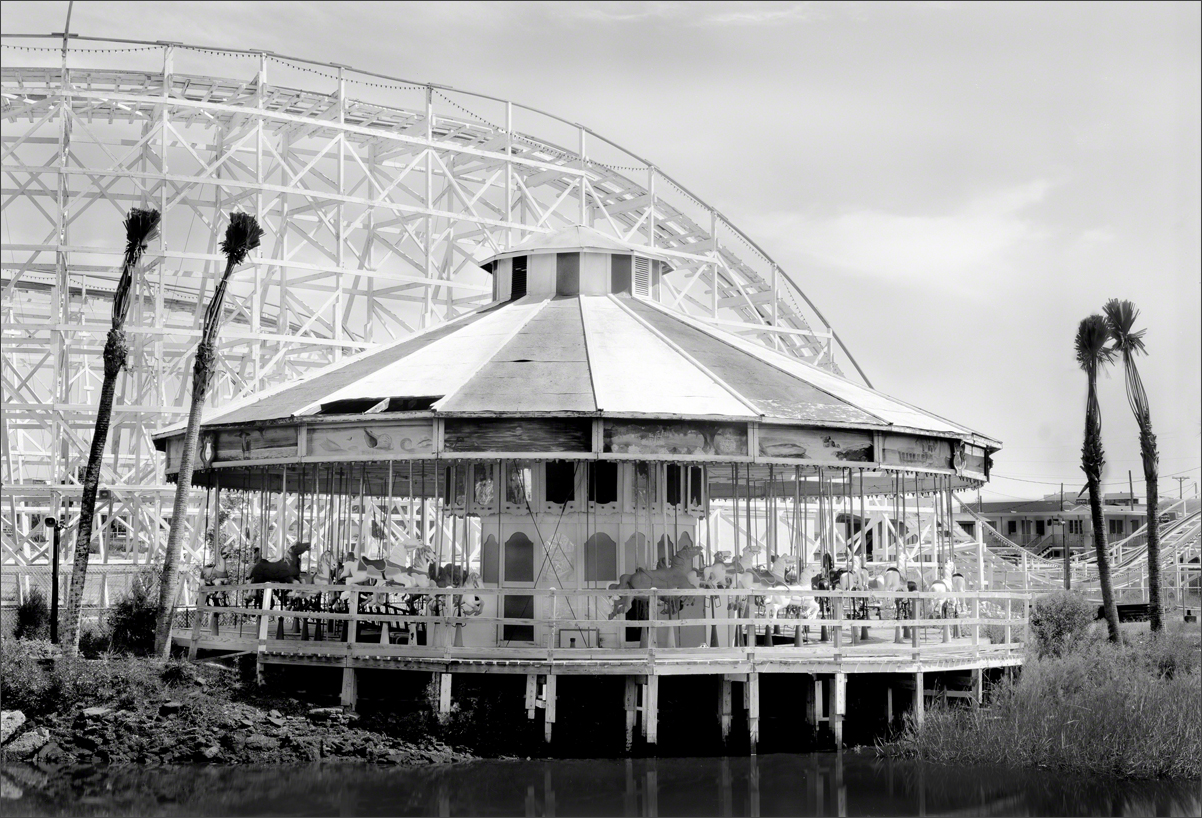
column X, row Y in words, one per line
column 954, row 185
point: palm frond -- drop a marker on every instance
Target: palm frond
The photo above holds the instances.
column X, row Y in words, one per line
column 1091, row 343
column 141, row 227
column 1120, row 318
column 242, row 236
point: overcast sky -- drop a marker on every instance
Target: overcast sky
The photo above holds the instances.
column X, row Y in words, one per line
column 954, row 185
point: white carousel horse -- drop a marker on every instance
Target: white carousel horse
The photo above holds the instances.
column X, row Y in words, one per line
column 718, row 575
column 945, row 607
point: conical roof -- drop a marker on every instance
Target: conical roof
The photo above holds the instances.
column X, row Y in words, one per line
column 609, row 355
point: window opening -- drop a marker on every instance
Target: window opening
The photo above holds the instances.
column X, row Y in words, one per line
column 561, row 481
column 518, row 281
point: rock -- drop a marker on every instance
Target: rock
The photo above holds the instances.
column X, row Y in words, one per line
column 27, row 743
column 10, row 722
column 275, row 714
column 51, row 753
column 170, row 708
column 276, row 720
column 212, row 752
column 86, row 742
column 9, row 790
column 322, row 714
column 257, row 741
column 96, row 712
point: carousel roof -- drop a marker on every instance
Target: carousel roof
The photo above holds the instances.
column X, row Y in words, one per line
column 612, row 355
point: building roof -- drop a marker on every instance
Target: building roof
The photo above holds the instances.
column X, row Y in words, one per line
column 613, row 355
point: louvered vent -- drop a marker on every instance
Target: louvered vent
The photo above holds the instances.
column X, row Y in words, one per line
column 642, row 277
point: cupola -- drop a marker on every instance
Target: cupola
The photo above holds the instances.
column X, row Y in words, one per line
column 576, row 260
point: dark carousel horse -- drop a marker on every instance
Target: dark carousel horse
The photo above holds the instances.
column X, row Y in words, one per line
column 281, row 570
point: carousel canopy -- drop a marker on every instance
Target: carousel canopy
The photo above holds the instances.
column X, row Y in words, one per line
column 659, row 383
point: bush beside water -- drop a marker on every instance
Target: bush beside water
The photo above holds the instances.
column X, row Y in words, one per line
column 1083, row 705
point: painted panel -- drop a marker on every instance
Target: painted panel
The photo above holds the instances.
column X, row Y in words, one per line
column 254, row 444
column 916, row 452
column 969, row 461
column 527, row 435
column 623, row 437
column 820, row 445
column 385, row 439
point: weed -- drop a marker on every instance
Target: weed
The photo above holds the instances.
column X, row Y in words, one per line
column 33, row 617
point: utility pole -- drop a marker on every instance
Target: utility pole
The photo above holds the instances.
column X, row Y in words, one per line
column 1131, row 488
column 1180, row 489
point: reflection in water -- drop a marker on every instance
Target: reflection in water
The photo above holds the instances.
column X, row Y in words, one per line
column 817, row 784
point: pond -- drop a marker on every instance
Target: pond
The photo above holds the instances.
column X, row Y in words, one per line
column 801, row 784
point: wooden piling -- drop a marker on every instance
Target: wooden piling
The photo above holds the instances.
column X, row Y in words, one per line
column 630, row 704
column 349, row 697
column 919, row 699
column 840, row 707
column 651, row 708
column 531, row 694
column 549, row 712
column 444, row 695
column 751, row 701
column 725, row 708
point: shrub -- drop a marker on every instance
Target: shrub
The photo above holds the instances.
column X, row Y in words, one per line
column 1103, row 709
column 94, row 643
column 23, row 677
column 131, row 620
column 33, row 617
column 1059, row 622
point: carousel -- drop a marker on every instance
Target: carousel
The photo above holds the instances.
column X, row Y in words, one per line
column 564, row 454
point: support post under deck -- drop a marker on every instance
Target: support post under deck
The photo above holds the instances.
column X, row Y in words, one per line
column 751, row 700
column 919, row 699
column 549, row 710
column 630, row 703
column 350, row 688
column 725, row 707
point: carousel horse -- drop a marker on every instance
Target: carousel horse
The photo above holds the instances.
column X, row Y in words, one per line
column 212, row 577
column 719, row 574
column 456, row 576
column 281, row 570
column 946, row 607
column 679, row 575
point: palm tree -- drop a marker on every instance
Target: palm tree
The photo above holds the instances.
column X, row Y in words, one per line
column 1120, row 318
column 141, row 226
column 1092, row 354
column 241, row 237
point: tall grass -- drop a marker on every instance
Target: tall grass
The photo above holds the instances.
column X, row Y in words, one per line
column 1122, row 710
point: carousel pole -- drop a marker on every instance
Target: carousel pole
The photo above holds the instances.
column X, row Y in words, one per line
column 386, row 540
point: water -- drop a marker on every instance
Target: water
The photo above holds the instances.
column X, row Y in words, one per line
column 816, row 784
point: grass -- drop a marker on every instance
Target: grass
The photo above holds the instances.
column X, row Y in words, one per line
column 1129, row 710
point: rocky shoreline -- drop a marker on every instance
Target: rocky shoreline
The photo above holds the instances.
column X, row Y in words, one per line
column 196, row 720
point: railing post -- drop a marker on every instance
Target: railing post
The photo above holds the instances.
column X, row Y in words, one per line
column 553, row 635
column 264, row 626
column 976, row 624
column 837, row 615
column 352, row 625
column 652, row 618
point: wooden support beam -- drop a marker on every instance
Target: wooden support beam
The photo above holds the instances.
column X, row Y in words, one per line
column 840, row 706
column 549, row 713
column 889, row 704
column 919, row 703
column 813, row 694
column 725, row 708
column 630, row 704
column 444, row 695
column 751, row 700
column 651, row 709
column 977, row 687
column 531, row 694
column 350, row 688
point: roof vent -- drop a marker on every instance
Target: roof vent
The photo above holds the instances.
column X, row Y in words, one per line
column 642, row 276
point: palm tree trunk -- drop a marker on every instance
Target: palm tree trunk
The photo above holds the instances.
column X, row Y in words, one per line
column 1147, row 445
column 1110, row 610
column 115, row 355
column 169, row 579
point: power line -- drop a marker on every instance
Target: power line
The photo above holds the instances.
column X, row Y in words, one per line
column 1081, row 478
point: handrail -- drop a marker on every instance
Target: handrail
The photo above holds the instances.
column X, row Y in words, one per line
column 339, row 69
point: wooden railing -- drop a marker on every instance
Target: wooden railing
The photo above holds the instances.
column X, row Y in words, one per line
column 920, row 630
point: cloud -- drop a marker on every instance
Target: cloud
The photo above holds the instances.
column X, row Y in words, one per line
column 946, row 250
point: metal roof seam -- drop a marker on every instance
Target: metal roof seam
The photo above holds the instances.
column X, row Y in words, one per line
column 588, row 359
column 437, row 405
column 250, row 400
column 755, row 410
